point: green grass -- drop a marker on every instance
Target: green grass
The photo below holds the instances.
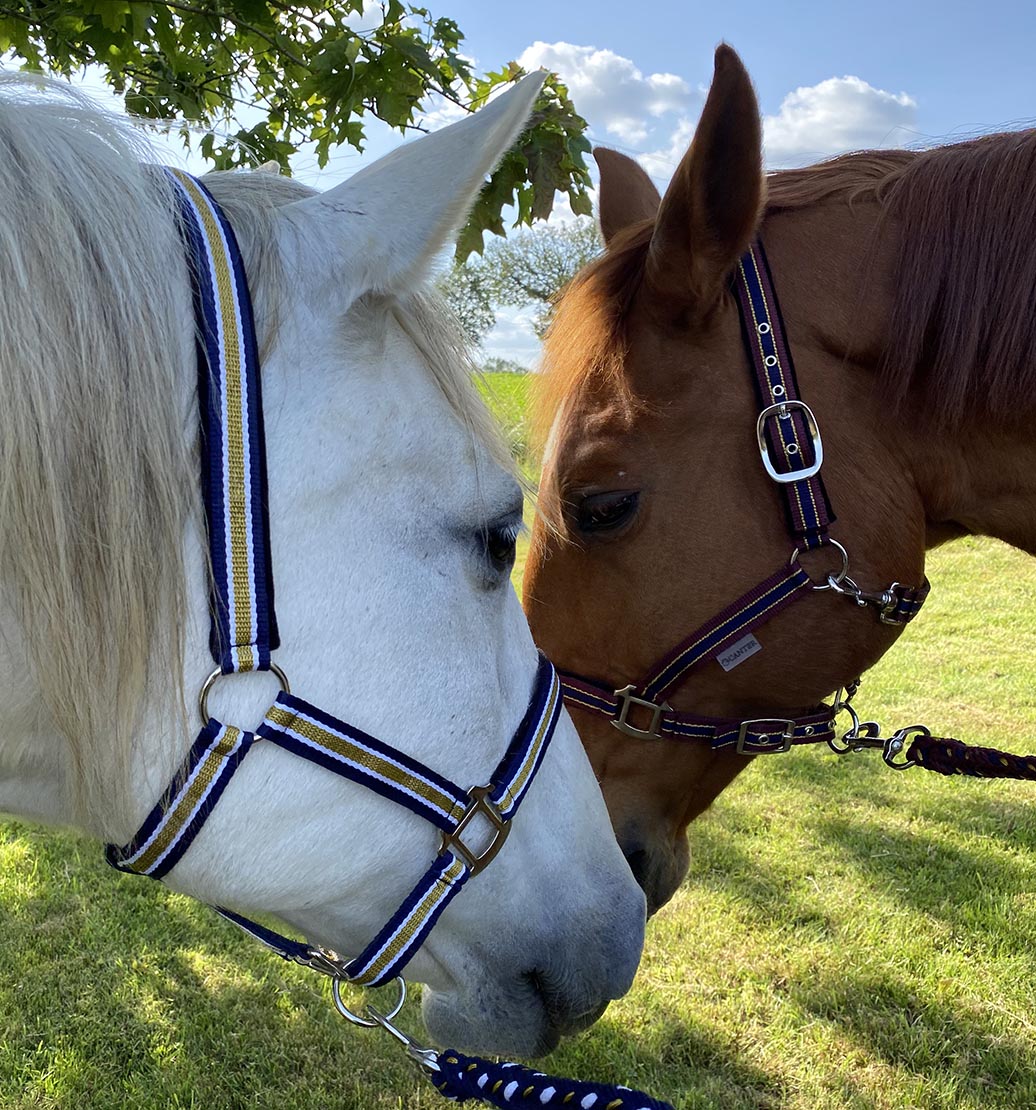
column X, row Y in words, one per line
column 847, row 936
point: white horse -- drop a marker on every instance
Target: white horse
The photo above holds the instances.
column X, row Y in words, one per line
column 392, row 529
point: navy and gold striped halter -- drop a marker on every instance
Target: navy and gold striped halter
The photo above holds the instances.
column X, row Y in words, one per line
column 244, row 636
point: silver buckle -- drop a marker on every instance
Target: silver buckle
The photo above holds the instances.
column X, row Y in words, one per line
column 891, row 599
column 627, row 698
column 785, row 736
column 783, row 409
column 480, row 804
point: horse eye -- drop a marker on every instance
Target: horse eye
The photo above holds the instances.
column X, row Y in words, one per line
column 500, row 540
column 604, row 512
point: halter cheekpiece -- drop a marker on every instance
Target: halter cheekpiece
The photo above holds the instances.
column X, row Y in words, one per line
column 244, row 636
column 791, row 449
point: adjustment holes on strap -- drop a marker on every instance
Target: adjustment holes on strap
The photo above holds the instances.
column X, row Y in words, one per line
column 770, row 360
column 763, row 328
column 778, row 391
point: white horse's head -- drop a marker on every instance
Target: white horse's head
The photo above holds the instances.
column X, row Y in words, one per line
column 392, row 532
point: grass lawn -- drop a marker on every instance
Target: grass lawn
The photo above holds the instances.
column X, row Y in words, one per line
column 847, row 936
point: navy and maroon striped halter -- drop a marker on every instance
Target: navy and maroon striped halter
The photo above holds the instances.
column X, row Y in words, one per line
column 792, row 453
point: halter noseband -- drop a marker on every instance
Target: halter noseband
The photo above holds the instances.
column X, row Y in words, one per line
column 792, row 452
column 244, row 635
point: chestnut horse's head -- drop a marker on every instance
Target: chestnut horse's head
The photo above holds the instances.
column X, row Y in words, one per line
column 656, row 509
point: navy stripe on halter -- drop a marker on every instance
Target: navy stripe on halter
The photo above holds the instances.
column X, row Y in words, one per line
column 222, row 303
column 749, row 611
column 807, row 504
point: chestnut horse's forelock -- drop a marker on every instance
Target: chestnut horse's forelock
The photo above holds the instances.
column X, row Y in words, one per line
column 961, row 337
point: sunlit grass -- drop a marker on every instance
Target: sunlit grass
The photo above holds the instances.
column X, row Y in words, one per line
column 847, row 936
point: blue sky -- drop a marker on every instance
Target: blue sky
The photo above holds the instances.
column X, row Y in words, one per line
column 830, row 76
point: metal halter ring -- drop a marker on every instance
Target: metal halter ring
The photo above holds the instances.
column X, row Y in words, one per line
column 366, row 1022
column 206, row 687
column 833, row 580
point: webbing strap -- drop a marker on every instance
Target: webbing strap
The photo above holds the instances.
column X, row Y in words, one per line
column 753, row 608
column 308, row 732
column 169, row 829
column 244, row 625
column 789, row 437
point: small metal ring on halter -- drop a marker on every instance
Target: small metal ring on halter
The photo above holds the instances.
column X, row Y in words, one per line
column 206, row 687
column 833, row 580
column 366, row 1022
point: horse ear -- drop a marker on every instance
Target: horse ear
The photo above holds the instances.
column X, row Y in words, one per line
column 627, row 194
column 380, row 229
column 712, row 208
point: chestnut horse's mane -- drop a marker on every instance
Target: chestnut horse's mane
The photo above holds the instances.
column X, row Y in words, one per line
column 962, row 332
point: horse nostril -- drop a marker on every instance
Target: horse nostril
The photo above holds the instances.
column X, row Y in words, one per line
column 637, row 858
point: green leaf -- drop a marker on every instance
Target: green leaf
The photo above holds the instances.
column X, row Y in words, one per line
column 313, row 74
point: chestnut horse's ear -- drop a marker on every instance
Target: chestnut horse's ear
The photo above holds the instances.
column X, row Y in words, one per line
column 627, row 194
column 712, row 208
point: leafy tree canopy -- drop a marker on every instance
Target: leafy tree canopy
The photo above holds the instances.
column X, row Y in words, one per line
column 312, row 70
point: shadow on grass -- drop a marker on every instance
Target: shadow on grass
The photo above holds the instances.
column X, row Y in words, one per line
column 115, row 994
column 926, row 1037
column 985, row 895
column 686, row 1065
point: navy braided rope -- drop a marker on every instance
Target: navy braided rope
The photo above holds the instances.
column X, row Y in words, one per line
column 946, row 756
column 513, row 1087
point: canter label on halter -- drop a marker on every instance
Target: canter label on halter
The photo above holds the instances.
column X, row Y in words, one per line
column 737, row 653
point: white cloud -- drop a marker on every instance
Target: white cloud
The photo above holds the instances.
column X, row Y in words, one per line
column 839, row 114
column 513, row 336
column 610, row 91
column 814, row 122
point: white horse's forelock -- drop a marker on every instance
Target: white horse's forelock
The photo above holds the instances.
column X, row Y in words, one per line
column 98, row 470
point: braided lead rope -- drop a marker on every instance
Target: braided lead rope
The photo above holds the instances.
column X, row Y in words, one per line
column 947, row 756
column 514, row 1087
column 506, row 1086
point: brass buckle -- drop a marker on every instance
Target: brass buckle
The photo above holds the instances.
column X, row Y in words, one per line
column 785, row 736
column 783, row 410
column 627, row 698
column 480, row 804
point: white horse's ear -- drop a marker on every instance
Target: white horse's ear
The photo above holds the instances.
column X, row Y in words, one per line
column 380, row 229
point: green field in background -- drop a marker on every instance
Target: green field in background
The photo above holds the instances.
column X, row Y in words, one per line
column 847, row 936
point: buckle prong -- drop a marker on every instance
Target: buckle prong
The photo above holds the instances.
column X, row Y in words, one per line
column 783, row 409
column 785, row 737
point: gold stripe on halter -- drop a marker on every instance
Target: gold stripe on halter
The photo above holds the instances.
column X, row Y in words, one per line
column 235, row 489
column 187, row 802
column 289, row 720
column 414, row 922
column 515, row 787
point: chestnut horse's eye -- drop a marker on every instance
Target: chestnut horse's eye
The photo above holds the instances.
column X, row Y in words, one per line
column 605, row 512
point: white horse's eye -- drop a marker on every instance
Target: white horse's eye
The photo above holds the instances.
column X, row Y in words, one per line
column 500, row 539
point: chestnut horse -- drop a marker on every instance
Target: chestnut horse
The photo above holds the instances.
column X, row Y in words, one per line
column 905, row 283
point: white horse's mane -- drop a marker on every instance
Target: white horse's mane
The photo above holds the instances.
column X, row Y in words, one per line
column 98, row 474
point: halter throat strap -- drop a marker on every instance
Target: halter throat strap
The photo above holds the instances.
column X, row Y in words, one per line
column 243, row 636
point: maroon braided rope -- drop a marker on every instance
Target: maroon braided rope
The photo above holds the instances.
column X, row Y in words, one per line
column 946, row 756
